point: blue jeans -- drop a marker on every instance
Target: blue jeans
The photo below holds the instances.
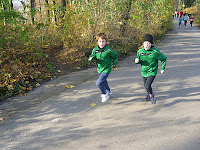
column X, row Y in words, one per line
column 102, row 82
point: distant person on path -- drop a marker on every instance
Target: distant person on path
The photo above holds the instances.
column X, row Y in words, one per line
column 180, row 19
column 191, row 20
column 180, row 13
column 185, row 19
column 106, row 60
column 176, row 14
column 148, row 57
column 173, row 14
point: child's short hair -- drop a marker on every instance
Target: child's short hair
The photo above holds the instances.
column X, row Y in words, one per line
column 101, row 35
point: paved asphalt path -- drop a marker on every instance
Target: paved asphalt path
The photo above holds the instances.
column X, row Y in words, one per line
column 67, row 121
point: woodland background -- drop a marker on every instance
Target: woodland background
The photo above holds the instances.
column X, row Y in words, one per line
column 48, row 38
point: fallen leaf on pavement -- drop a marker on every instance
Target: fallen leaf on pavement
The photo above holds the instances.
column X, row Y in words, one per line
column 93, row 105
column 70, row 86
column 37, row 84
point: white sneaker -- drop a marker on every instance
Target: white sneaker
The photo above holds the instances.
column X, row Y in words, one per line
column 109, row 92
column 104, row 97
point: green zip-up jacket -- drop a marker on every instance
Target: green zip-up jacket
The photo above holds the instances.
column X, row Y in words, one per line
column 149, row 61
column 106, row 58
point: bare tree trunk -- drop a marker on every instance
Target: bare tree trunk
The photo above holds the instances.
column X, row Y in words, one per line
column 33, row 11
column 125, row 16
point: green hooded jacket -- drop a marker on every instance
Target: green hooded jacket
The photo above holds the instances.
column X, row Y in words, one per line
column 106, row 58
column 149, row 61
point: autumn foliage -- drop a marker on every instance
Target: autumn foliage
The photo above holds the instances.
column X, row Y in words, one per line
column 36, row 48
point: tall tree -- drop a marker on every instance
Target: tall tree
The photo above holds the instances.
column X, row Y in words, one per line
column 33, row 11
column 125, row 16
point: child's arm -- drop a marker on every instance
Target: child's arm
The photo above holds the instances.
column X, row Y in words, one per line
column 137, row 59
column 114, row 57
column 163, row 60
column 92, row 56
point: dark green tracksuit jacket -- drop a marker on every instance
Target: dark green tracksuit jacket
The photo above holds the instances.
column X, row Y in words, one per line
column 149, row 61
column 106, row 58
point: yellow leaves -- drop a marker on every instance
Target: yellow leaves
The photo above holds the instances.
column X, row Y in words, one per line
column 93, row 105
column 30, row 88
column 26, row 82
column 13, row 80
column 10, row 87
column 70, row 86
column 5, row 84
column 23, row 88
column 37, row 84
column 37, row 72
column 20, row 94
column 78, row 59
column 83, row 35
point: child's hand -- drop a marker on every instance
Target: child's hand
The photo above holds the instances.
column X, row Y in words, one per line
column 162, row 71
column 90, row 58
column 137, row 60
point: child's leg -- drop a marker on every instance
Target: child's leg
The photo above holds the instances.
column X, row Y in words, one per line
column 147, row 83
column 144, row 80
column 106, row 85
column 102, row 82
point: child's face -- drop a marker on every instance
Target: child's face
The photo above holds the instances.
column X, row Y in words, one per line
column 147, row 45
column 101, row 42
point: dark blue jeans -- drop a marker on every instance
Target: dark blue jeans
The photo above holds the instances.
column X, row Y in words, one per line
column 185, row 22
column 102, row 82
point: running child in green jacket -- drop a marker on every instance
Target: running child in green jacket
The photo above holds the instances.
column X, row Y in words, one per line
column 106, row 59
column 148, row 57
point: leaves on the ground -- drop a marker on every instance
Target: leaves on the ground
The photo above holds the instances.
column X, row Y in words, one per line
column 70, row 86
column 37, row 84
column 30, row 88
column 93, row 105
